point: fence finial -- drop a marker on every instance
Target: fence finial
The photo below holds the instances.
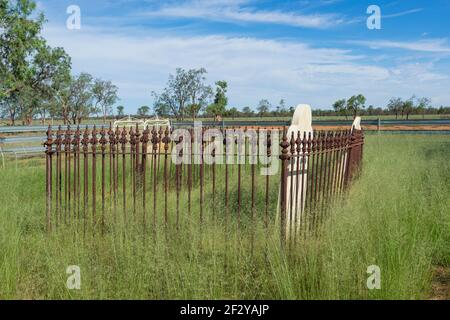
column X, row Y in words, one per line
column 103, row 140
column 49, row 142
column 94, row 139
column 166, row 140
column 132, row 140
column 154, row 139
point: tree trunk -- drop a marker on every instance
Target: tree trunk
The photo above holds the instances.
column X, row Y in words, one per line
column 12, row 117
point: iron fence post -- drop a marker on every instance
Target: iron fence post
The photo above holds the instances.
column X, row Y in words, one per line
column 284, row 156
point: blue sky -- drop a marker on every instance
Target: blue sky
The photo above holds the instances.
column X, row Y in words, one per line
column 302, row 51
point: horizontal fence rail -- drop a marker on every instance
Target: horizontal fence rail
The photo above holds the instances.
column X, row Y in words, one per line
column 159, row 181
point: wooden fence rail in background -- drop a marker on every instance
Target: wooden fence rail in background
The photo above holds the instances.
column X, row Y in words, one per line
column 99, row 178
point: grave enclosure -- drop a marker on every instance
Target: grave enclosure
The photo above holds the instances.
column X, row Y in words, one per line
column 108, row 176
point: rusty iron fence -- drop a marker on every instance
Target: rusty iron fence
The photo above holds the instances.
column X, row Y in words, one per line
column 102, row 177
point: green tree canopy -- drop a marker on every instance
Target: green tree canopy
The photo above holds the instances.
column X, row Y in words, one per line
column 185, row 88
column 340, row 107
column 143, row 111
column 263, row 107
column 356, row 104
column 120, row 111
column 218, row 108
column 104, row 94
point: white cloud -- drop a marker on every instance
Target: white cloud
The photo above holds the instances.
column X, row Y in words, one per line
column 403, row 13
column 234, row 12
column 254, row 68
column 421, row 72
column 430, row 45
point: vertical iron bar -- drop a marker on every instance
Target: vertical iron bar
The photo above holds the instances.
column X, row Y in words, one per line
column 291, row 182
column 191, row 133
column 110, row 156
column 226, row 144
column 94, row 142
column 318, row 180
column 68, row 143
column 76, row 169
column 58, row 175
column 213, row 177
column 123, row 141
column 155, row 148
column 112, row 171
column 85, row 143
column 103, row 149
column 166, row 141
column 133, row 167
column 178, row 180
column 65, row 144
column 48, row 157
column 254, row 149
column 116, row 183
column 269, row 153
column 144, row 141
column 301, row 152
column 284, row 157
column 201, row 177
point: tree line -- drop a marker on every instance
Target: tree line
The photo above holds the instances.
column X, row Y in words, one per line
column 187, row 96
column 36, row 80
column 396, row 106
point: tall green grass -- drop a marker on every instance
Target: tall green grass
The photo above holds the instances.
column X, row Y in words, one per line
column 395, row 216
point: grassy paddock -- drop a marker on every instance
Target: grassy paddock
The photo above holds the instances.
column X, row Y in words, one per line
column 395, row 216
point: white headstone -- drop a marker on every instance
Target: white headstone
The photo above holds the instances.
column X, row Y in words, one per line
column 297, row 171
column 356, row 123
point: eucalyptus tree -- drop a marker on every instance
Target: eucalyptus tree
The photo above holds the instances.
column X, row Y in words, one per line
column 339, row 107
column 408, row 107
column 143, row 111
column 19, row 40
column 28, row 65
column 120, row 111
column 185, row 94
column 80, row 99
column 247, row 111
column 395, row 106
column 199, row 93
column 423, row 104
column 355, row 104
column 263, row 107
column 49, row 65
column 175, row 95
column 218, row 107
column 104, row 94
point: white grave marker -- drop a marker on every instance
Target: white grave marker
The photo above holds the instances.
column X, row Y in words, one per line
column 297, row 179
column 356, row 125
